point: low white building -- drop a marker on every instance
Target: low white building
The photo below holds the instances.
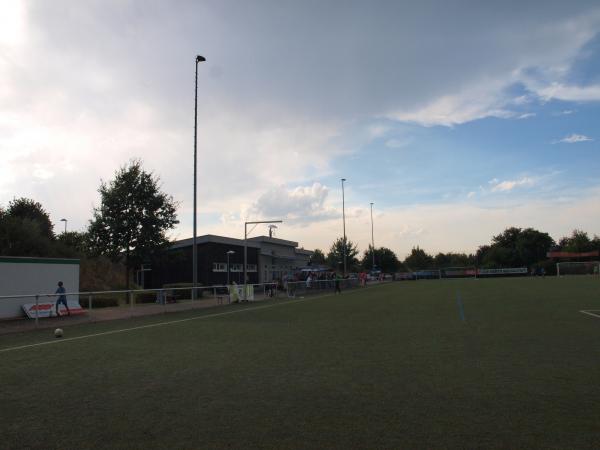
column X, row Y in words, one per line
column 31, row 276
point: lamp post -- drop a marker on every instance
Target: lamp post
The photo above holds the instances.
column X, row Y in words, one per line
column 246, row 251
column 344, row 223
column 65, row 221
column 194, row 249
column 372, row 238
column 230, row 252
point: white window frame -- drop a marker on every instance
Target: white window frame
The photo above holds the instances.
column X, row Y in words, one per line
column 219, row 267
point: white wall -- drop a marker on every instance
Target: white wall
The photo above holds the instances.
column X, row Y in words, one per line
column 26, row 276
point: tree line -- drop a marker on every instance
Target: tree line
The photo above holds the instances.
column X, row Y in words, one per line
column 129, row 227
column 514, row 247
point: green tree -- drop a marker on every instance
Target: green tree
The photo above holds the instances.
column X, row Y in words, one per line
column 26, row 229
column 442, row 260
column 579, row 241
column 74, row 241
column 133, row 217
column 532, row 246
column 317, row 258
column 385, row 260
column 418, row 259
column 516, row 247
column 335, row 257
column 22, row 237
column 27, row 209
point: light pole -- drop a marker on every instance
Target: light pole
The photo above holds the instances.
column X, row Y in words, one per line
column 344, row 223
column 194, row 249
column 65, row 221
column 246, row 251
column 230, row 252
column 372, row 238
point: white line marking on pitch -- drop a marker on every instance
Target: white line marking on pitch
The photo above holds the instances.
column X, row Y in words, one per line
column 590, row 313
column 152, row 325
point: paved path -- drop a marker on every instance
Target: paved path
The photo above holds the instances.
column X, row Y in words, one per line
column 105, row 314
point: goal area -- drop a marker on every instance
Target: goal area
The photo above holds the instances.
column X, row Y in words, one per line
column 578, row 268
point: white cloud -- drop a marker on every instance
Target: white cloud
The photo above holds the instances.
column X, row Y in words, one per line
column 526, row 116
column 300, row 205
column 450, row 110
column 564, row 92
column 522, row 100
column 12, row 23
column 377, row 131
column 574, row 138
column 509, row 185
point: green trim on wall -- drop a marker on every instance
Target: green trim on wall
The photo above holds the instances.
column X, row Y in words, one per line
column 25, row 260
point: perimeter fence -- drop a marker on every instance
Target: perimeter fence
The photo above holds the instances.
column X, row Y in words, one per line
column 41, row 309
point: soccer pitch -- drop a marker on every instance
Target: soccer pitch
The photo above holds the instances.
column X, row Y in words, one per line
column 390, row 366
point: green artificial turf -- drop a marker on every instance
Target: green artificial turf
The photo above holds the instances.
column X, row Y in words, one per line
column 391, row 366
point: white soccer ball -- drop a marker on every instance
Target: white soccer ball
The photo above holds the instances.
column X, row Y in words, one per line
column 58, row 333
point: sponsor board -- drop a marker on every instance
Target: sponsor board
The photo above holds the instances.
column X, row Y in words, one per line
column 236, row 293
column 48, row 309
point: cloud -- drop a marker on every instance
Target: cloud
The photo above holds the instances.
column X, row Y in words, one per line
column 526, row 116
column 269, row 117
column 559, row 91
column 297, row 206
column 450, row 110
column 509, row 185
column 574, row 138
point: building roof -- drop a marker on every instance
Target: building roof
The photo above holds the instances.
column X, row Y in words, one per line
column 273, row 240
column 206, row 238
column 254, row 242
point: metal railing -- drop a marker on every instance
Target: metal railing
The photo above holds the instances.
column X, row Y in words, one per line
column 133, row 302
column 95, row 306
column 313, row 287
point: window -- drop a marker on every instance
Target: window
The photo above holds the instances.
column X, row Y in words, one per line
column 237, row 267
column 251, row 268
column 219, row 267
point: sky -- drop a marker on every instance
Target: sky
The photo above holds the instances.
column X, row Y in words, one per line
column 456, row 119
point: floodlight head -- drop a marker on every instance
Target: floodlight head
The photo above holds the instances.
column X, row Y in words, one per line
column 343, row 179
column 230, row 252
column 63, row 220
column 200, row 59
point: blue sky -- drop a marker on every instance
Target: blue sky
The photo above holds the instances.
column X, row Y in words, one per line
column 455, row 120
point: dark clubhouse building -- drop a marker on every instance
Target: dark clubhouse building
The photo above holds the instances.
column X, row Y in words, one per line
column 268, row 259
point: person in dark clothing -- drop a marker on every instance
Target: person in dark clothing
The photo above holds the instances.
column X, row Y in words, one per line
column 62, row 298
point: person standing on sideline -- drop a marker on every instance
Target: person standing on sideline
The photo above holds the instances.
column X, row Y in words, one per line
column 337, row 284
column 62, row 298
